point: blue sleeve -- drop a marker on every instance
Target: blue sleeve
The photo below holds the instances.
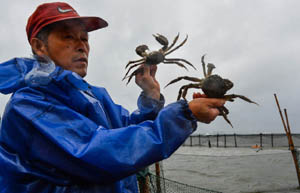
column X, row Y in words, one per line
column 148, row 108
column 58, row 141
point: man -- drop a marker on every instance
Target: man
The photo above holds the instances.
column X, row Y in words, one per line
column 60, row 134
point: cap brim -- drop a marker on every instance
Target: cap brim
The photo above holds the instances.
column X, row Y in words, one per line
column 90, row 23
column 93, row 23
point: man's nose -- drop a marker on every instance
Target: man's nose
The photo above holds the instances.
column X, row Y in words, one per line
column 82, row 46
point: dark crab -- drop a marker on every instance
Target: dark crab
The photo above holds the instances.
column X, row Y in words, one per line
column 213, row 86
column 156, row 57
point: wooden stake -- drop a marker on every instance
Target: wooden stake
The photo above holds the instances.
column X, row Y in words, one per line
column 144, row 185
column 284, row 126
column 294, row 153
column 289, row 136
column 291, row 143
column 157, row 171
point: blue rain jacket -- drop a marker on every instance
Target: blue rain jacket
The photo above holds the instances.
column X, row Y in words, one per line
column 60, row 135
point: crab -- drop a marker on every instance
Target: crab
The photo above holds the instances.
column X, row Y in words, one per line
column 156, row 57
column 213, row 86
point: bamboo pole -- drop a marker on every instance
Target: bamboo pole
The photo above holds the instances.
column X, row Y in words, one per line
column 260, row 140
column 291, row 143
column 287, row 129
column 157, row 171
column 235, row 144
column 272, row 139
column 292, row 148
column 144, row 185
column 279, row 109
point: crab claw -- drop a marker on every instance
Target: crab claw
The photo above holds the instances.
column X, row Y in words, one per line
column 210, row 68
column 141, row 50
column 161, row 39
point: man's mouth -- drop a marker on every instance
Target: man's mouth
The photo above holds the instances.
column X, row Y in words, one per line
column 83, row 59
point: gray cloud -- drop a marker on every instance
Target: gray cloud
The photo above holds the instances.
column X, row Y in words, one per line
column 254, row 43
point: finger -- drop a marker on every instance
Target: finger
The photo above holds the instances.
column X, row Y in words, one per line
column 194, row 95
column 146, row 69
column 198, row 95
column 216, row 102
column 214, row 112
column 153, row 69
column 139, row 73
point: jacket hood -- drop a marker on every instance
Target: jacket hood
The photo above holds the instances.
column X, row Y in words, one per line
column 19, row 72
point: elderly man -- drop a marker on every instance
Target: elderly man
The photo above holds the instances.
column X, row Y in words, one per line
column 60, row 134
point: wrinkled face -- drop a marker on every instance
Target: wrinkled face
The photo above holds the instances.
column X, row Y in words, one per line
column 68, row 46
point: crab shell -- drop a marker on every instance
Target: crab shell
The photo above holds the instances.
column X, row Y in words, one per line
column 215, row 86
column 155, row 57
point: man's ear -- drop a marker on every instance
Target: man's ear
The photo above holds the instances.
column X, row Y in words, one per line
column 39, row 47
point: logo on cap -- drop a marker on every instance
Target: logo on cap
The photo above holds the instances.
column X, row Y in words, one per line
column 64, row 10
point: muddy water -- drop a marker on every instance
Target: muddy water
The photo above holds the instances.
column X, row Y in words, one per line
column 234, row 170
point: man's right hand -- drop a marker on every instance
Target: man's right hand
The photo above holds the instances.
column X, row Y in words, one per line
column 205, row 109
column 145, row 79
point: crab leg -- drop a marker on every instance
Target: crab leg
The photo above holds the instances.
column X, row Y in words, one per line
column 178, row 63
column 226, row 111
column 203, row 66
column 130, row 77
column 185, row 78
column 232, row 96
column 169, row 52
column 135, row 61
column 131, row 68
column 139, row 70
column 173, row 43
column 181, row 60
column 223, row 113
column 183, row 90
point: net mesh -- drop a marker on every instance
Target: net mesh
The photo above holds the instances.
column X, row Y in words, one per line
column 298, row 156
column 152, row 179
column 154, row 182
column 242, row 140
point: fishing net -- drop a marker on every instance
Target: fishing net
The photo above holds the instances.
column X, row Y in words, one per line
column 151, row 180
column 270, row 140
column 297, row 156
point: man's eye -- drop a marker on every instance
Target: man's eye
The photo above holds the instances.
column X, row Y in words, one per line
column 68, row 37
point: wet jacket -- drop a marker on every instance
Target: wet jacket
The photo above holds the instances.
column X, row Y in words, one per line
column 59, row 134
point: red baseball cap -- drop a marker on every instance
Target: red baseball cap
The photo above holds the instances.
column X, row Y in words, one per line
column 48, row 13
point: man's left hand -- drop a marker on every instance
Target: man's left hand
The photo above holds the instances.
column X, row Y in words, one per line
column 145, row 79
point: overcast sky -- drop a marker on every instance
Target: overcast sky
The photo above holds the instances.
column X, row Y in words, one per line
column 254, row 43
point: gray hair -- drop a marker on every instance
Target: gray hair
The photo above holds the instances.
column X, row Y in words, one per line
column 43, row 34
